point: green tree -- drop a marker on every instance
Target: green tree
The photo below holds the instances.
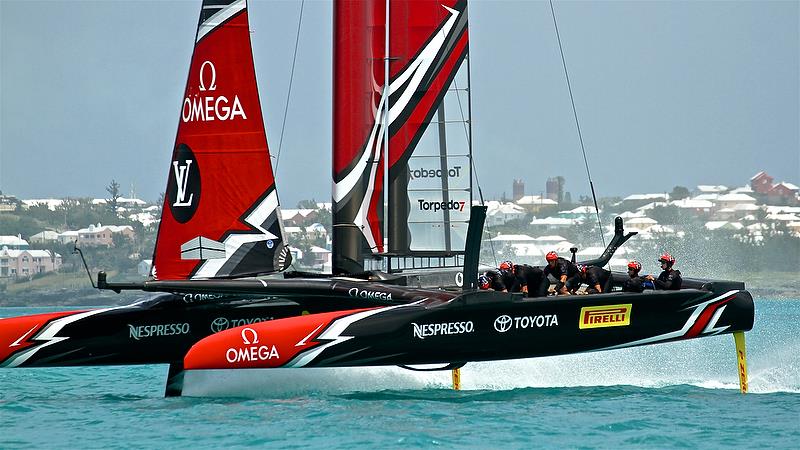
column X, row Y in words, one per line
column 679, row 193
column 113, row 191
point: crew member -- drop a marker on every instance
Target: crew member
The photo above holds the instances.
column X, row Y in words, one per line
column 483, row 283
column 564, row 271
column 670, row 279
column 597, row 278
column 495, row 281
column 523, row 278
column 634, row 283
column 507, row 277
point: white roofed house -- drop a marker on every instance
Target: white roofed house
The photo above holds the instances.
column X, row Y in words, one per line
column 26, row 263
column 96, row 235
column 503, row 213
column 553, row 224
column 49, row 203
column 68, row 237
column 13, row 242
column 711, row 189
column 695, row 206
column 784, row 193
column 731, row 200
column 640, row 223
column 535, row 203
column 636, row 200
column 581, row 212
column 45, row 237
column 321, row 257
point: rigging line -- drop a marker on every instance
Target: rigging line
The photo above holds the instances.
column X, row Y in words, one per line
column 577, row 125
column 291, row 79
column 464, row 120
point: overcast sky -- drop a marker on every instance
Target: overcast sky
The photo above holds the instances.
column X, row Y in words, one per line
column 667, row 93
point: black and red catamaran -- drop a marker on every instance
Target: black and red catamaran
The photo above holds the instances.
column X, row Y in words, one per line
column 401, row 139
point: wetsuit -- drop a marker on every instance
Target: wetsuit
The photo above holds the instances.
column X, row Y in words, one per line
column 597, row 275
column 564, row 267
column 633, row 284
column 510, row 282
column 495, row 280
column 533, row 278
column 669, row 280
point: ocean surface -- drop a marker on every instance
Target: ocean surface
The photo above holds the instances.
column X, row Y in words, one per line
column 681, row 394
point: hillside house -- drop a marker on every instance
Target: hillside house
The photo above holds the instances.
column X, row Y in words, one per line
column 13, row 242
column 26, row 263
column 761, row 183
column 96, row 235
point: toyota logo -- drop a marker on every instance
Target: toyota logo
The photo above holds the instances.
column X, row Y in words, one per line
column 502, row 323
column 219, row 324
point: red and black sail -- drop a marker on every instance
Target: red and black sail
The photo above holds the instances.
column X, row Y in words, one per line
column 221, row 215
column 382, row 138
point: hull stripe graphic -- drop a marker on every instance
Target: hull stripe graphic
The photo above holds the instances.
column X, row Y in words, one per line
column 334, row 334
column 691, row 322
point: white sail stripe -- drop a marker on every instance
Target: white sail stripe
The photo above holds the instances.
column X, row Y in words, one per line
column 334, row 333
column 419, row 68
column 262, row 212
column 220, row 17
column 699, row 308
column 362, row 220
column 342, row 188
column 437, row 41
column 211, row 267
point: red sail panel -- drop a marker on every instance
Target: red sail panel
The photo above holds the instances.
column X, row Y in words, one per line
column 358, row 79
column 220, row 214
column 427, row 36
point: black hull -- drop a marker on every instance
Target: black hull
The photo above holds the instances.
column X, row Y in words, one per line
column 305, row 323
column 161, row 329
column 477, row 326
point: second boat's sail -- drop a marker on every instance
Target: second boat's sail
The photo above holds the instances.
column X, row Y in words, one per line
column 383, row 141
column 221, row 216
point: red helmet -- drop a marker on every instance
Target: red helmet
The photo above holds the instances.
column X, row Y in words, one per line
column 551, row 256
column 506, row 265
column 667, row 258
column 483, row 282
column 635, row 265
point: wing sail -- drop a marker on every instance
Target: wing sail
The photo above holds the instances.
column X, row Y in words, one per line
column 221, row 214
column 384, row 147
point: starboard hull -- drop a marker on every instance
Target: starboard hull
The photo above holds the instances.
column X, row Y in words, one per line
column 476, row 326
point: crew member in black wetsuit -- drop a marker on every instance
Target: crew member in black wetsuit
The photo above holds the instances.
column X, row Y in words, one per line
column 597, row 278
column 670, row 279
column 634, row 283
column 523, row 278
column 564, row 271
column 507, row 278
column 493, row 281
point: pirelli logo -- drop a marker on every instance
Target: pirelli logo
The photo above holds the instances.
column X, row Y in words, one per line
column 605, row 316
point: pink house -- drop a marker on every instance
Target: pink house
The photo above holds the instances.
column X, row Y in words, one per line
column 25, row 263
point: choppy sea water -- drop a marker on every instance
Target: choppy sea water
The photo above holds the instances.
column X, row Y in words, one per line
column 681, row 394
